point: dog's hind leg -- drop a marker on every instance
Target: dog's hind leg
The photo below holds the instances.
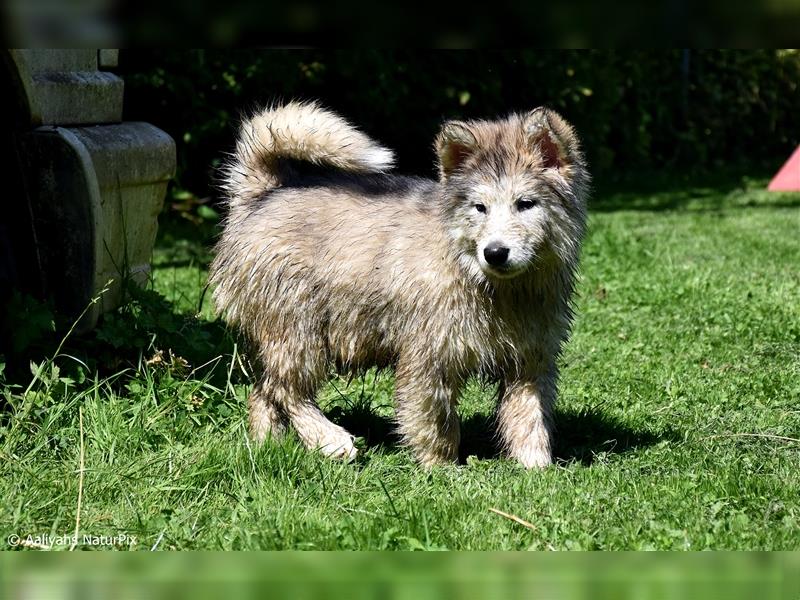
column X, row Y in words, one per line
column 267, row 418
column 279, row 401
column 317, row 432
column 294, row 367
column 426, row 414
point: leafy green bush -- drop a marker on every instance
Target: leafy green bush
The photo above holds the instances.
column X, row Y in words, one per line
column 651, row 110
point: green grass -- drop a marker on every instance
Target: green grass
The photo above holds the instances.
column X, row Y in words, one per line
column 679, row 412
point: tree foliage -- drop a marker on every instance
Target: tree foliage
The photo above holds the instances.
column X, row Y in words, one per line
column 653, row 110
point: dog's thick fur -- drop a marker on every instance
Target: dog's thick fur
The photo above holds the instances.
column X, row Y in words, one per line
column 326, row 259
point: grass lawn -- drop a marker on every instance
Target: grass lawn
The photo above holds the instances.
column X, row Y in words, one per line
column 679, row 412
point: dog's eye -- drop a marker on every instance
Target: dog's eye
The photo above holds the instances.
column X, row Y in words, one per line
column 480, row 208
column 525, row 204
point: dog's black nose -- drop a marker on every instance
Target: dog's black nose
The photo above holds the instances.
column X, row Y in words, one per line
column 495, row 254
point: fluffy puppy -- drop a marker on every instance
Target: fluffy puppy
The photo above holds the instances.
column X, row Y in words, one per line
column 328, row 259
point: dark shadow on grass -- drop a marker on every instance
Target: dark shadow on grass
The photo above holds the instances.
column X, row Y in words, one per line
column 380, row 432
column 696, row 200
column 478, row 437
column 377, row 431
column 580, row 437
column 709, row 192
column 145, row 329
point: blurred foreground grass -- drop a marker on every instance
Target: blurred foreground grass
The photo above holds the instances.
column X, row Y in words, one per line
column 401, row 576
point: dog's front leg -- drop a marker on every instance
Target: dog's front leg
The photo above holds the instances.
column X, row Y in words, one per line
column 426, row 413
column 525, row 418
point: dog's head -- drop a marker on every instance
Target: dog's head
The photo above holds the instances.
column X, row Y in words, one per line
column 513, row 192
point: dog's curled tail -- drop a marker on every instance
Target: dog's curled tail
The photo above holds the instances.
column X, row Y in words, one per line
column 301, row 131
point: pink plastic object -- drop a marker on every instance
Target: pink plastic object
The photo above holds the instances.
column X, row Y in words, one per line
column 788, row 178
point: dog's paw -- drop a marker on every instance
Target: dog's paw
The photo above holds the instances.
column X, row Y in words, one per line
column 338, row 444
column 534, row 457
column 441, row 456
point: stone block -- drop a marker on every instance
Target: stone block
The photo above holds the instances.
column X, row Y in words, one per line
column 65, row 88
column 96, row 193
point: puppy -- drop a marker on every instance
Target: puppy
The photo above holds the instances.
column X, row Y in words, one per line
column 327, row 259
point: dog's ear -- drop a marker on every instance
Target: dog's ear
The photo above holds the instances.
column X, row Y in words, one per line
column 454, row 144
column 552, row 136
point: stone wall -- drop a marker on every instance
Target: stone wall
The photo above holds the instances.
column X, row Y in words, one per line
column 92, row 186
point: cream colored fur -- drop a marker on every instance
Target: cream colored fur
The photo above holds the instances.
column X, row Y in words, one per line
column 302, row 131
column 344, row 266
